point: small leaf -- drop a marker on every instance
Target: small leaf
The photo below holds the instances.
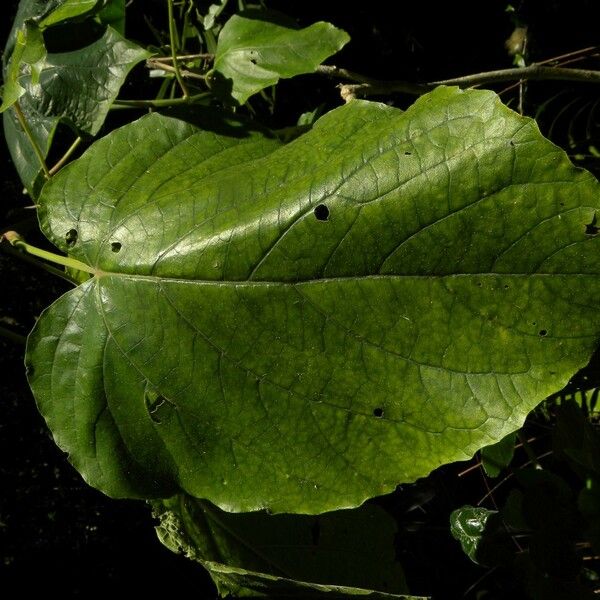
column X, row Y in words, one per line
column 468, row 525
column 348, row 552
column 255, row 54
column 497, row 457
column 27, row 59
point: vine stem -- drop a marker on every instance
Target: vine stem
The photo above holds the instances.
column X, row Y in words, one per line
column 15, row 240
column 65, row 157
column 38, row 151
column 365, row 86
column 170, row 69
column 172, row 37
column 160, row 103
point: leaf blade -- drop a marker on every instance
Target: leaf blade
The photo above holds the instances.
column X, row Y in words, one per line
column 376, row 341
column 255, row 54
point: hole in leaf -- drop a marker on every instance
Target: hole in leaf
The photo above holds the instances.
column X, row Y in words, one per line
column 543, row 332
column 116, row 246
column 71, row 237
column 512, row 143
column 479, row 284
column 321, row 212
column 591, row 228
column 506, row 286
column 378, row 412
column 159, row 408
column 253, row 61
column 407, row 153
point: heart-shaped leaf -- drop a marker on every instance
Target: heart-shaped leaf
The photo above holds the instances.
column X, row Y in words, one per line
column 303, row 327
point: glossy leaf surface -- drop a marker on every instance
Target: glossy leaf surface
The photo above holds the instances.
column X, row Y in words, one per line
column 303, row 327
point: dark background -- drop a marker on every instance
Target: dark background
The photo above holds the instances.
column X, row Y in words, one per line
column 59, row 535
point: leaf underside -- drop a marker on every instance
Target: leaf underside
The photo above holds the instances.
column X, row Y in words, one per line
column 338, row 554
column 303, row 327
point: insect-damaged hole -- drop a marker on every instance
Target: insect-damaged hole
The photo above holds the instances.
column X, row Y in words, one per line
column 116, row 246
column 378, row 412
column 321, row 212
column 591, row 228
column 543, row 333
column 408, row 153
column 253, row 61
column 71, row 237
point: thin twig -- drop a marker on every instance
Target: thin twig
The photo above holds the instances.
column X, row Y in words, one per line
column 366, row 86
column 172, row 37
column 65, row 156
column 38, row 151
column 184, row 57
column 169, row 68
column 159, row 103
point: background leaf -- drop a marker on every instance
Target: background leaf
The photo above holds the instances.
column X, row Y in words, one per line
column 255, row 552
column 303, row 327
column 75, row 87
column 255, row 54
column 497, row 457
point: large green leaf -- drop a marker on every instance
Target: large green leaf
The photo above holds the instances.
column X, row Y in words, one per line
column 297, row 555
column 303, row 327
column 255, row 54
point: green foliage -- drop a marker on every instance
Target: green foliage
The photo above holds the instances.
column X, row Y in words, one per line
column 298, row 321
column 75, row 87
column 278, row 315
column 255, row 54
column 336, row 554
column 497, row 457
column 540, row 527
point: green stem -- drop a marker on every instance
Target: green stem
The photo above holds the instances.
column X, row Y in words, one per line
column 173, row 37
column 13, row 336
column 16, row 241
column 65, row 157
column 39, row 264
column 38, row 151
column 159, row 103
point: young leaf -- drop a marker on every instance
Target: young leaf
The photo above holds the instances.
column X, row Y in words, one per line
column 28, row 54
column 255, row 54
column 351, row 548
column 468, row 526
column 302, row 327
